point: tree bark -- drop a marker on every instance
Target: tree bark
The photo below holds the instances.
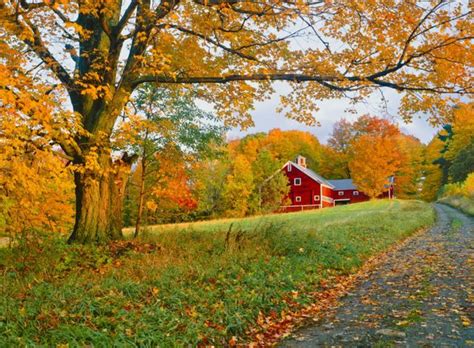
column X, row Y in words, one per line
column 141, row 198
column 99, row 202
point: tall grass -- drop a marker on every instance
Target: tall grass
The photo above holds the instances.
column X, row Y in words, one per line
column 194, row 284
column 460, row 195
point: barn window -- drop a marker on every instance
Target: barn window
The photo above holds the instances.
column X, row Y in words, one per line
column 355, row 193
column 297, row 181
column 316, row 197
column 289, row 167
column 341, row 193
column 298, row 198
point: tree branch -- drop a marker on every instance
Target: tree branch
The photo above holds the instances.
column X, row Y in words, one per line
column 214, row 42
column 36, row 44
column 125, row 18
column 234, row 78
column 418, row 25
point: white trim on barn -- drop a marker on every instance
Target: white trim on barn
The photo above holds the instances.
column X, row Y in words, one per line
column 321, row 195
column 301, row 206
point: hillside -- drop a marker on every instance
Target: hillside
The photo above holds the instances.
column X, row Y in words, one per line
column 202, row 283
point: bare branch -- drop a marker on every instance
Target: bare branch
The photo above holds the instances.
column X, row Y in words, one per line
column 125, row 18
column 234, row 78
column 214, row 42
column 37, row 45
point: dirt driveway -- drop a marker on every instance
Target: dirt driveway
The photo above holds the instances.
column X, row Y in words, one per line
column 422, row 296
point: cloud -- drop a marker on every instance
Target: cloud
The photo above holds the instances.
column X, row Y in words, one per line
column 265, row 116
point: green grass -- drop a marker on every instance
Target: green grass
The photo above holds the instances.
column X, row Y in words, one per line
column 190, row 284
column 462, row 203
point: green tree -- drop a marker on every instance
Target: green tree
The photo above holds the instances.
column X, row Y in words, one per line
column 270, row 184
column 442, row 161
column 162, row 120
column 432, row 173
column 409, row 175
column 238, row 188
column 209, row 179
column 463, row 164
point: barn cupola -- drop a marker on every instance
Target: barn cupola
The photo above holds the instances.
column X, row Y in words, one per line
column 301, row 161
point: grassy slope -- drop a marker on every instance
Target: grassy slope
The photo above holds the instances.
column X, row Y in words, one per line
column 460, row 202
column 202, row 286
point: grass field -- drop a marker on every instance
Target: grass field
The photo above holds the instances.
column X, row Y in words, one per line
column 462, row 203
column 200, row 283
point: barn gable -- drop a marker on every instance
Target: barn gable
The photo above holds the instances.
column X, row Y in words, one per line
column 309, row 173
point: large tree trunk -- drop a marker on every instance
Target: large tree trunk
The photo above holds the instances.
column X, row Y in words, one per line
column 99, row 203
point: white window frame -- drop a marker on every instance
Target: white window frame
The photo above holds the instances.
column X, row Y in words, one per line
column 299, row 182
column 355, row 193
column 289, row 167
column 298, row 199
column 340, row 193
column 316, row 197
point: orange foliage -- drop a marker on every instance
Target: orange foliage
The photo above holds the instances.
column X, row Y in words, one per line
column 373, row 162
column 36, row 188
column 171, row 188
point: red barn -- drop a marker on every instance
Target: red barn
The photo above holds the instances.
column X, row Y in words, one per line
column 308, row 190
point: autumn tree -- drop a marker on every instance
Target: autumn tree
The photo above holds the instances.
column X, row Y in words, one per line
column 238, row 188
column 373, row 161
column 229, row 51
column 432, row 172
column 462, row 125
column 171, row 196
column 389, row 152
column 459, row 147
column 409, row 174
column 337, row 154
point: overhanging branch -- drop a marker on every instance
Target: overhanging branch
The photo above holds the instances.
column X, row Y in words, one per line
column 327, row 81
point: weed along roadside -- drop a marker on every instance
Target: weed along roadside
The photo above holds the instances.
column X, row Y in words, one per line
column 216, row 283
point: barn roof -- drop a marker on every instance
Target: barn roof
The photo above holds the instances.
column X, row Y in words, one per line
column 347, row 184
column 343, row 184
column 312, row 174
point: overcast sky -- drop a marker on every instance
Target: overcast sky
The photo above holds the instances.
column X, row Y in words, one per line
column 265, row 117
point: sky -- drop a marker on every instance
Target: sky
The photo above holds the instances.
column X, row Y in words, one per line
column 266, row 118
